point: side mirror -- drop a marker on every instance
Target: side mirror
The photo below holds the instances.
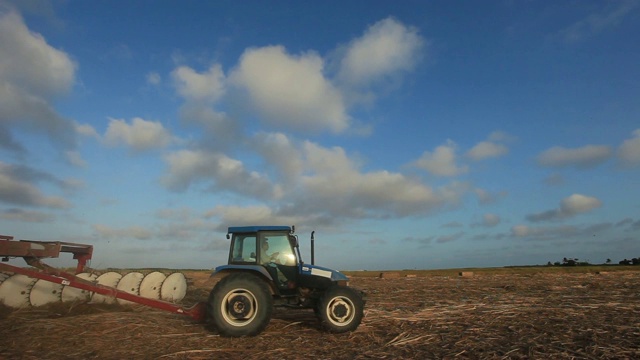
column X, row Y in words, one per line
column 293, row 240
column 228, row 237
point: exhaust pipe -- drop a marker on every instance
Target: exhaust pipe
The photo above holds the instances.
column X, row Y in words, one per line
column 313, row 260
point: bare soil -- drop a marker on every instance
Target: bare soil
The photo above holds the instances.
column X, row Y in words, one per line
column 480, row 316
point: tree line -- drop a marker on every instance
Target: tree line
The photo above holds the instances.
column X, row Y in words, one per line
column 578, row 262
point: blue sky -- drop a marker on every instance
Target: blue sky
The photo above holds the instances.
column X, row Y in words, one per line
column 413, row 134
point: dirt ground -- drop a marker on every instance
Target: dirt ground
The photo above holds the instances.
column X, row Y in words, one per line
column 495, row 316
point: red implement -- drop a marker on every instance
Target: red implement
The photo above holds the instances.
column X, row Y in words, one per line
column 33, row 251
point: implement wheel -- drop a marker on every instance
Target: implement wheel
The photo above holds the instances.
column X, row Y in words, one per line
column 340, row 309
column 240, row 305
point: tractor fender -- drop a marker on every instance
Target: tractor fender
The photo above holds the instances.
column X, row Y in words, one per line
column 254, row 269
column 249, row 268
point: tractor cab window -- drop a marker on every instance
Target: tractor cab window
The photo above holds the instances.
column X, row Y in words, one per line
column 276, row 248
column 244, row 248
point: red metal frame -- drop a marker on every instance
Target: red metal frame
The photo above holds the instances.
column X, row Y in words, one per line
column 33, row 251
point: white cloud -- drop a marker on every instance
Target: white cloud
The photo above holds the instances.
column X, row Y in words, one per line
column 387, row 48
column 442, row 161
column 87, row 130
column 222, row 173
column 291, row 91
column 140, row 135
column 334, row 182
column 251, row 215
column 583, row 157
column 30, row 63
column 577, row 203
column 492, row 147
column 486, row 149
column 193, row 86
column 569, row 207
column 32, row 75
column 280, row 153
column 629, row 151
column 219, row 131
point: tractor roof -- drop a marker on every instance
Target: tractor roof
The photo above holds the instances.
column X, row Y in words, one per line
column 253, row 229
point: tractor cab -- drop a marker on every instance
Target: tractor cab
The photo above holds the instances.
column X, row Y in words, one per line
column 274, row 252
column 270, row 250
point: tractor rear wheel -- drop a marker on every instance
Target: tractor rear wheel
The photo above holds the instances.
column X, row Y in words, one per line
column 240, row 305
column 340, row 309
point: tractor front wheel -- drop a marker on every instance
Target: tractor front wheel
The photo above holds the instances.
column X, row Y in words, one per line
column 340, row 309
column 240, row 305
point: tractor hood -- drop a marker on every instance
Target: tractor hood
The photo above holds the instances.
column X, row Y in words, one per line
column 320, row 271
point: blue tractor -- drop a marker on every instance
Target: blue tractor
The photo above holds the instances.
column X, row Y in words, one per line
column 264, row 270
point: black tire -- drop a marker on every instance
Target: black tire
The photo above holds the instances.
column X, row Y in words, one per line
column 240, row 305
column 340, row 309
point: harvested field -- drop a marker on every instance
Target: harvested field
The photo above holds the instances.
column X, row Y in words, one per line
column 554, row 315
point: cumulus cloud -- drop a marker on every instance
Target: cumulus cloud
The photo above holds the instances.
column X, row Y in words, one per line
column 219, row 131
column 387, row 48
column 290, row 91
column 87, row 131
column 486, row 149
column 203, row 93
column 220, row 172
column 208, row 86
column 629, row 152
column 17, row 187
column 442, row 161
column 281, row 153
column 254, row 214
column 335, row 183
column 569, row 207
column 140, row 135
column 32, row 75
column 583, row 157
column 492, row 147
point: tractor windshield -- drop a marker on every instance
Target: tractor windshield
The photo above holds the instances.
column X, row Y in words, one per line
column 276, row 248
